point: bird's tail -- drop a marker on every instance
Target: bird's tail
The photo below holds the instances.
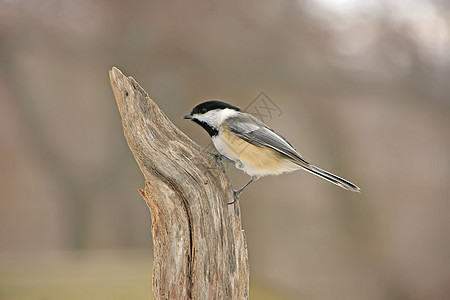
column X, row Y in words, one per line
column 345, row 184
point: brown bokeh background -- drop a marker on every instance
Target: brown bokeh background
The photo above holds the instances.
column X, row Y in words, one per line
column 363, row 89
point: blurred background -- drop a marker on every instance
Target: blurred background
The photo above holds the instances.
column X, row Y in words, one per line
column 360, row 88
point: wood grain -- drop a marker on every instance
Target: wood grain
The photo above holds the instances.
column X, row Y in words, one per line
column 199, row 247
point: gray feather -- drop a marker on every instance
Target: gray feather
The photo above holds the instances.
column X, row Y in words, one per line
column 252, row 130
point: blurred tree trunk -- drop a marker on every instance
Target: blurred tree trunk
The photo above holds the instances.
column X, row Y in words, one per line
column 199, row 248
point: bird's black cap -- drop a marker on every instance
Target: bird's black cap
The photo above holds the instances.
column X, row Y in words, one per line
column 211, row 105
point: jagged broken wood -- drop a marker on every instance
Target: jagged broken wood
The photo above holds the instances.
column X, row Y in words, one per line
column 199, row 248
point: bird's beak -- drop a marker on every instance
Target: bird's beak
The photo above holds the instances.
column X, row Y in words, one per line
column 188, row 116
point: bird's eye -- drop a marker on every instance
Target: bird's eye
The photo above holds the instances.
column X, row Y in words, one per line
column 204, row 110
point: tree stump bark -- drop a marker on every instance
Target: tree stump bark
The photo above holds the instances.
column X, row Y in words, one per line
column 199, row 247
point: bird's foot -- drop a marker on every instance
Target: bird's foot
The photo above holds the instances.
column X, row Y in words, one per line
column 219, row 161
column 236, row 194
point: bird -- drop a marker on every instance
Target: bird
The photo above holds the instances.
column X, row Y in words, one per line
column 252, row 146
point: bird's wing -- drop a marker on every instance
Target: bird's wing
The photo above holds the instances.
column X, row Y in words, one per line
column 255, row 132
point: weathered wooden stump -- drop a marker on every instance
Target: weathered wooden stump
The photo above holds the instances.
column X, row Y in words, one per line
column 199, row 248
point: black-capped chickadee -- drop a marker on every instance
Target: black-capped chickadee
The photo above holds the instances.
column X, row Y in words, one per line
column 252, row 146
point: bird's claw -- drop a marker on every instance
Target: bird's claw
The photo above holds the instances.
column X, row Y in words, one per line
column 236, row 194
column 219, row 157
